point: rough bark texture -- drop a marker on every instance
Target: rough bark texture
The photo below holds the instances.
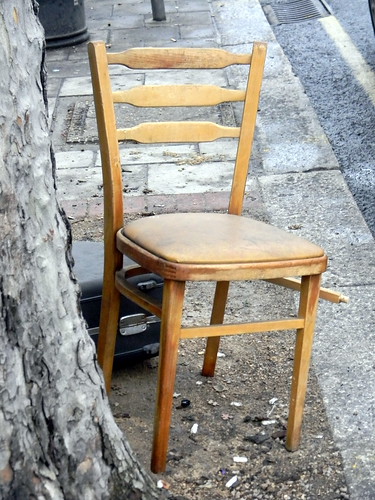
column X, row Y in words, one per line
column 58, row 438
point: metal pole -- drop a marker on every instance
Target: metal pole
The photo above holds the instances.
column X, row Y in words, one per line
column 158, row 10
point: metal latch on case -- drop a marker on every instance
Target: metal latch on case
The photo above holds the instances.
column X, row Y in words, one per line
column 136, row 323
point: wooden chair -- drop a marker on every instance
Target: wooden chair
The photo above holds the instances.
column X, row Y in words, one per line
column 195, row 246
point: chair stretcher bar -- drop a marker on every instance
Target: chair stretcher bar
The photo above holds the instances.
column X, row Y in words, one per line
column 325, row 293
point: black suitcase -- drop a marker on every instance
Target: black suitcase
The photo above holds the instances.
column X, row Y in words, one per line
column 138, row 331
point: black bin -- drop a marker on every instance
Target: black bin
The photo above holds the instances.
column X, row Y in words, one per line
column 64, row 22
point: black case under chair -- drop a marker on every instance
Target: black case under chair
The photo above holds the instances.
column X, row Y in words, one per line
column 138, row 332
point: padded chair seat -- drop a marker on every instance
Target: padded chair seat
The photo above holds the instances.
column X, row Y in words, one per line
column 206, row 238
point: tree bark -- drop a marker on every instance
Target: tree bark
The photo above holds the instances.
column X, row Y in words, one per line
column 58, row 439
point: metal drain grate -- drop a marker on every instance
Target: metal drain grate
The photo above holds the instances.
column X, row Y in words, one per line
column 295, row 12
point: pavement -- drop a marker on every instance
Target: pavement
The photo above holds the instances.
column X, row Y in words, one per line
column 295, row 183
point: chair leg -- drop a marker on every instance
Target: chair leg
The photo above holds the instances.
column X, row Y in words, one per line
column 108, row 325
column 173, row 299
column 308, row 308
column 217, row 317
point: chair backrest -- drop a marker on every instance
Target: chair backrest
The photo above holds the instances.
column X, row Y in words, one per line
column 172, row 96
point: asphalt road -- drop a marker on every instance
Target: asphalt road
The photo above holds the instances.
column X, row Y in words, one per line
column 334, row 57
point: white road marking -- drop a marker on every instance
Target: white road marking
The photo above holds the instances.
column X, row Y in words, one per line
column 361, row 70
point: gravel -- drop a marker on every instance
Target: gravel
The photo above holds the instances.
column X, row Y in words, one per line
column 238, row 450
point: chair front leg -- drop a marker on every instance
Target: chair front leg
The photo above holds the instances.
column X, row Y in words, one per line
column 310, row 287
column 173, row 299
column 217, row 317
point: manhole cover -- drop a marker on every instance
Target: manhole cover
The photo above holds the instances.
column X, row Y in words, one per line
column 296, row 11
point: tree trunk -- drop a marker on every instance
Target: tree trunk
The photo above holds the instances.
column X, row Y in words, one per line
column 58, row 439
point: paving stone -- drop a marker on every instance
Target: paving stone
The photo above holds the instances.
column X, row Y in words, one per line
column 234, row 25
column 79, row 183
column 134, row 154
column 192, row 18
column 58, row 54
column 346, row 385
column 63, row 69
column 198, row 31
column 300, row 203
column 205, row 77
column 195, row 6
column 200, row 178
column 102, row 10
column 188, row 42
column 124, row 9
column 225, row 148
column 74, row 159
column 53, row 87
column 82, row 85
column 79, row 52
column 129, row 21
column 139, row 37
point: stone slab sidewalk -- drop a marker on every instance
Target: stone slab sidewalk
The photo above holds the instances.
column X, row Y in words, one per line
column 296, row 184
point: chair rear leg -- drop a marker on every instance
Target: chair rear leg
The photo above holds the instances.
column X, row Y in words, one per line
column 308, row 309
column 217, row 317
column 173, row 298
column 108, row 325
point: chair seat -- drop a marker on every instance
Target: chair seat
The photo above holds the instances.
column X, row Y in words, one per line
column 206, row 238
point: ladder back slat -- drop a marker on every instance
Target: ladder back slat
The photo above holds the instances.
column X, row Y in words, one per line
column 177, row 132
column 187, row 58
column 177, row 95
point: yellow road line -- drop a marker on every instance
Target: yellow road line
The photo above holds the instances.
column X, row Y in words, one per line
column 361, row 70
